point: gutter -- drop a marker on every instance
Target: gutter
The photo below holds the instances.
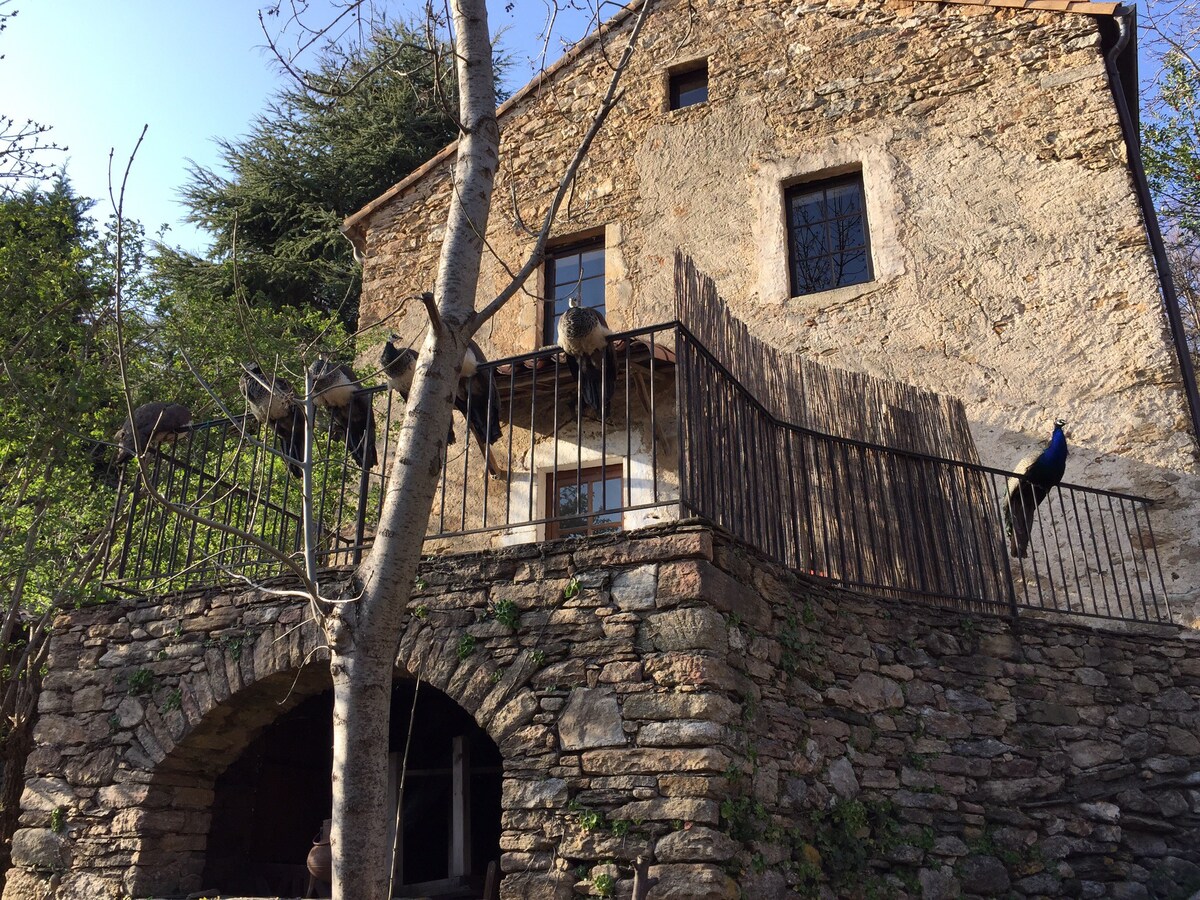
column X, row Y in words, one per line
column 1126, row 19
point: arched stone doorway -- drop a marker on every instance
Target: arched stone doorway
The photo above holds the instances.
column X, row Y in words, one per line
column 271, row 800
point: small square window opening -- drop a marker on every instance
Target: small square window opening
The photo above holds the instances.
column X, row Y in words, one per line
column 583, row 502
column 689, row 86
column 828, row 243
column 576, row 270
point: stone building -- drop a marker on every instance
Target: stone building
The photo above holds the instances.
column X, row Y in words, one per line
column 930, row 193
column 996, row 247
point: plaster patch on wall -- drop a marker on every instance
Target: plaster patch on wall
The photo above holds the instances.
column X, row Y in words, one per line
column 868, row 153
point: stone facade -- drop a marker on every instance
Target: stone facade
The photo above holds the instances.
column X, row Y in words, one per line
column 1011, row 268
column 665, row 691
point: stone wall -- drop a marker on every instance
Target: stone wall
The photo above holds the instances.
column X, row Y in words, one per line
column 664, row 691
column 1011, row 266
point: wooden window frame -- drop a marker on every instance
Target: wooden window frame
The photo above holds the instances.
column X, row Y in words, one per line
column 830, row 250
column 553, row 254
column 591, row 475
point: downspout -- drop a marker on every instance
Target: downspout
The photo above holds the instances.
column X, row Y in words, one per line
column 1125, row 22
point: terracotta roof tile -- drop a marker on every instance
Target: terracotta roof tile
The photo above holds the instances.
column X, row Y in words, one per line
column 1084, row 7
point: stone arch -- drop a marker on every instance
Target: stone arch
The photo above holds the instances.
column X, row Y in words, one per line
column 499, row 699
column 247, row 679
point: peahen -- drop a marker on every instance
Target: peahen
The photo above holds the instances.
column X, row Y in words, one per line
column 583, row 336
column 1035, row 475
column 475, row 395
column 153, row 423
column 353, row 419
column 273, row 403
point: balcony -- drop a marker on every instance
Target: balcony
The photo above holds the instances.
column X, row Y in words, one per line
column 684, row 438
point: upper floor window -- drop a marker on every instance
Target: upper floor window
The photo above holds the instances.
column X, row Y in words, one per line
column 828, row 245
column 575, row 270
column 688, row 86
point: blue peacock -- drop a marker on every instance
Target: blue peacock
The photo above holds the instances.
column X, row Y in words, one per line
column 1035, row 475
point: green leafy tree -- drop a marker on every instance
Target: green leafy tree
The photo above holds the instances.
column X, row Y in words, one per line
column 56, row 402
column 1171, row 155
column 307, row 163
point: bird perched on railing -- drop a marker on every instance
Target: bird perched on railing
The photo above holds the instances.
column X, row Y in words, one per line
column 352, row 419
column 154, row 423
column 583, row 336
column 273, row 403
column 398, row 365
column 1035, row 475
column 475, row 396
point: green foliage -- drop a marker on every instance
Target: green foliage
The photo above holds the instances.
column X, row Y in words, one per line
column 591, row 819
column 850, row 834
column 506, row 613
column 1171, row 143
column 742, row 817
column 795, row 647
column 421, row 611
column 620, row 827
column 604, row 885
column 58, row 819
column 572, row 589
column 174, row 700
column 1171, row 156
column 537, row 657
column 140, row 681
column 308, row 162
column 466, row 646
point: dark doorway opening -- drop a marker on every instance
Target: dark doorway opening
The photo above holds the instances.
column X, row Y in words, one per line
column 269, row 804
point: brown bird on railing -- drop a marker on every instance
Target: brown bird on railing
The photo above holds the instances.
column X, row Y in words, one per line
column 273, row 403
column 350, row 413
column 583, row 336
column 153, row 423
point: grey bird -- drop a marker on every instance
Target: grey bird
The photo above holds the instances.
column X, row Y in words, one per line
column 398, row 365
column 583, row 335
column 475, row 396
column 154, row 423
column 353, row 420
column 273, row 403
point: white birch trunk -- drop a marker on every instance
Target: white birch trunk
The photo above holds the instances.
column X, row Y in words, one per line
column 364, row 634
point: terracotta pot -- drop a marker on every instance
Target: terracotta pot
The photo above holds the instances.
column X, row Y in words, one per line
column 320, row 857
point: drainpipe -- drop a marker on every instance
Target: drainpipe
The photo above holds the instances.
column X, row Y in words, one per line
column 1125, row 19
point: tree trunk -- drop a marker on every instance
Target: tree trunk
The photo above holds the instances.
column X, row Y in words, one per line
column 364, row 633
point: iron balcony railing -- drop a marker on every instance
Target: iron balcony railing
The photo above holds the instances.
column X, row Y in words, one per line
column 682, row 438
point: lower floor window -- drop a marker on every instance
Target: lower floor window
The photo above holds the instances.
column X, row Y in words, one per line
column 583, row 501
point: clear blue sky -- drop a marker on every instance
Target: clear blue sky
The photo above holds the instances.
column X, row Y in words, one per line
column 98, row 70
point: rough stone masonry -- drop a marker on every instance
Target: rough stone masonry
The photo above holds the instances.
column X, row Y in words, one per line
column 665, row 692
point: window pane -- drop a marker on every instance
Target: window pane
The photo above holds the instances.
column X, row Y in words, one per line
column 812, row 274
column 809, row 240
column 592, row 263
column 850, row 268
column 592, row 294
column 828, row 242
column 849, row 233
column 842, row 200
column 808, row 208
column 566, row 269
column 689, row 88
column 576, row 272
